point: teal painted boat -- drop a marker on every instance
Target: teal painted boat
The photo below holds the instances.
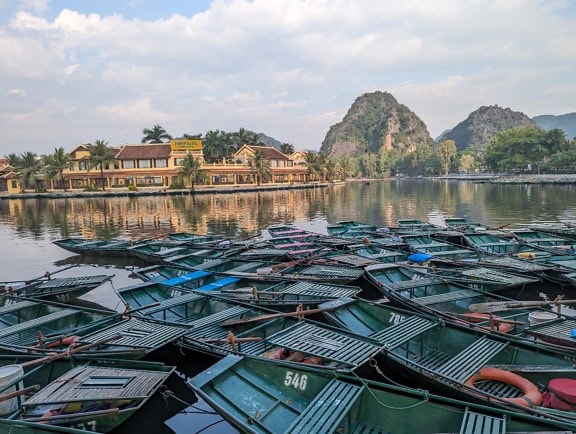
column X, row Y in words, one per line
column 261, row 396
column 438, row 249
column 279, row 295
column 65, row 393
column 287, row 231
column 86, row 246
column 459, row 362
column 61, row 289
column 464, row 304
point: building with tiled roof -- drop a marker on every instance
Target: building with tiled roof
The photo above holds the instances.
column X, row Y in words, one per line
column 158, row 165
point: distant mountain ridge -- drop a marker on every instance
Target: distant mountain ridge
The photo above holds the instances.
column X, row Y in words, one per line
column 566, row 123
column 375, row 120
column 478, row 129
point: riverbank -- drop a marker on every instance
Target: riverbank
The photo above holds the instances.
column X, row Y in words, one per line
column 513, row 179
column 155, row 191
column 536, row 179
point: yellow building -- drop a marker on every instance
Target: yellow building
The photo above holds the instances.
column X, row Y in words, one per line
column 157, row 165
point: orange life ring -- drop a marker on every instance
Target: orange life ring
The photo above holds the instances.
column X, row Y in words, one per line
column 480, row 317
column 532, row 396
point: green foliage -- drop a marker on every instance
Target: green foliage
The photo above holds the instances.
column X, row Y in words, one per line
column 260, row 165
column 191, row 170
column 517, row 148
column 445, row 153
column 156, row 134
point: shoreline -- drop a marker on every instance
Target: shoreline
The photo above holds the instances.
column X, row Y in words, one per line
column 156, row 191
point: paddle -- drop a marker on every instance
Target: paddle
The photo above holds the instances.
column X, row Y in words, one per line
column 499, row 306
column 7, row 396
column 233, row 322
column 71, row 352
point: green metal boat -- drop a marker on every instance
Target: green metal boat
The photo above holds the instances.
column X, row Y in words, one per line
column 262, row 396
column 452, row 360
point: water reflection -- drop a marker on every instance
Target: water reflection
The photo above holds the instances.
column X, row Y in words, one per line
column 244, row 214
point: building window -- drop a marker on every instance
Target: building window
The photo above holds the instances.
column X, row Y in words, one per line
column 128, row 164
column 178, row 161
column 144, row 164
column 161, row 162
column 290, row 163
column 273, row 163
column 82, row 165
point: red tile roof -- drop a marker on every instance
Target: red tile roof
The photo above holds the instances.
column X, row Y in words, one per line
column 144, row 152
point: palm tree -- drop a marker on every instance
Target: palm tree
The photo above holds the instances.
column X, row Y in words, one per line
column 287, row 148
column 28, row 167
column 56, row 164
column 155, row 135
column 312, row 163
column 191, row 170
column 260, row 164
column 13, row 160
column 101, row 155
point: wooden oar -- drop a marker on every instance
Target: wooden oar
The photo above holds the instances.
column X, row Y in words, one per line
column 7, row 396
column 495, row 319
column 71, row 352
column 233, row 322
column 499, row 306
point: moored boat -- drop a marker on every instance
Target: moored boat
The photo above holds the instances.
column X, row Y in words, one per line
column 98, row 395
column 262, row 396
column 460, row 362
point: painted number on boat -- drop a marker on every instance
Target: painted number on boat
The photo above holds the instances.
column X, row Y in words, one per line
column 396, row 318
column 293, row 379
column 87, row 426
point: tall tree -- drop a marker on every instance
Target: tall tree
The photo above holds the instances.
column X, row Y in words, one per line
column 191, row 170
column 155, row 135
column 287, row 148
column 346, row 167
column 260, row 165
column 445, row 152
column 311, row 159
column 101, row 156
column 28, row 167
column 56, row 164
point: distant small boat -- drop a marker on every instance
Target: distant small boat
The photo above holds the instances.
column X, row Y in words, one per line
column 61, row 289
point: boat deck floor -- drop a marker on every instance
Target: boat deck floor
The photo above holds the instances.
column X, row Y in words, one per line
column 91, row 383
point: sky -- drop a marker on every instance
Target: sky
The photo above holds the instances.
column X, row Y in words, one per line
column 78, row 71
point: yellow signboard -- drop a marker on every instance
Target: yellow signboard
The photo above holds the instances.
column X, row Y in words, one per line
column 186, row 145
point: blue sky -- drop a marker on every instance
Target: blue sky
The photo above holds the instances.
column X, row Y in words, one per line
column 78, row 71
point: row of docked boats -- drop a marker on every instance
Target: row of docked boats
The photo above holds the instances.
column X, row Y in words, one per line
column 366, row 329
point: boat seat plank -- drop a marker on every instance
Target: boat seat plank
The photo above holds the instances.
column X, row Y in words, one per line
column 360, row 428
column 325, row 412
column 37, row 322
column 454, row 252
column 216, row 318
column 12, row 305
column 332, row 271
column 170, row 303
column 138, row 333
column 411, row 284
column 402, row 332
column 70, row 387
column 471, row 359
column 557, row 330
column 448, row 296
column 326, row 343
column 218, row 284
column 320, row 290
column 186, row 278
column 476, row 423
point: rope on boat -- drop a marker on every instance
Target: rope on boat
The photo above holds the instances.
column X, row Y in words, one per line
column 374, row 364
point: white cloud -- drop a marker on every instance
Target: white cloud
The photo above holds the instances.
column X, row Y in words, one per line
column 286, row 68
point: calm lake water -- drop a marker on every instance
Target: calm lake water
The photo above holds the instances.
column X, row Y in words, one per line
column 28, row 226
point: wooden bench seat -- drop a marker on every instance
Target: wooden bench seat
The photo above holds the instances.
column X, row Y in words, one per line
column 476, row 423
column 471, row 359
column 325, row 412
